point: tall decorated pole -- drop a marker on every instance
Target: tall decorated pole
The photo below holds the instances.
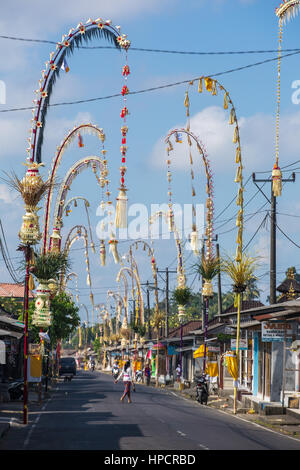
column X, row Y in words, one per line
column 121, row 210
column 286, row 10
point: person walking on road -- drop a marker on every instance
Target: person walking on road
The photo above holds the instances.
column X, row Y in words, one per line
column 127, row 380
column 147, row 373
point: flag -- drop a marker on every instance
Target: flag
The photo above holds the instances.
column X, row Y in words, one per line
column 80, row 142
column 64, row 66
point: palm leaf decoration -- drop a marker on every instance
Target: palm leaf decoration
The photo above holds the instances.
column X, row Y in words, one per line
column 182, row 295
column 208, row 268
column 240, row 272
column 50, row 265
column 157, row 320
column 91, row 32
column 30, row 194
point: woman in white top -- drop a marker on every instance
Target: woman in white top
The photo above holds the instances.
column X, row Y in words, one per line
column 126, row 374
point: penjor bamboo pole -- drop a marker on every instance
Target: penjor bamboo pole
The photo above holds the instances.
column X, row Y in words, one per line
column 237, row 350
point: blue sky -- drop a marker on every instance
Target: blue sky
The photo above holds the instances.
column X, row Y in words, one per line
column 221, row 25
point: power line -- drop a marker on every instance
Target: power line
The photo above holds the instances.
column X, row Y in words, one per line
column 164, row 51
column 147, row 90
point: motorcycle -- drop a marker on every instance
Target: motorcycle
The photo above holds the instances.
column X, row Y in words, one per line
column 16, row 389
column 201, row 390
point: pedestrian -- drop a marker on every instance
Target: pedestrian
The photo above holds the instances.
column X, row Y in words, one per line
column 178, row 373
column 127, row 380
column 147, row 373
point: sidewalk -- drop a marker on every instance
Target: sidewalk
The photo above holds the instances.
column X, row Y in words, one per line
column 286, row 423
column 11, row 412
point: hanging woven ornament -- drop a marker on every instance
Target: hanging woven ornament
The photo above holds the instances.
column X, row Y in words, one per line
column 114, row 250
column 121, row 209
column 208, row 83
column 200, row 86
column 187, row 103
column 80, row 141
column 276, row 180
column 226, row 101
column 194, row 241
column 102, row 253
column 238, row 155
column 31, row 285
column 170, row 218
column 235, row 135
column 232, row 116
column 238, row 175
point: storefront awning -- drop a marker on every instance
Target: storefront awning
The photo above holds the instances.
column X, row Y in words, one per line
column 12, row 334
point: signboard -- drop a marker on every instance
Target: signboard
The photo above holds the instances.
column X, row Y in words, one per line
column 243, row 344
column 34, row 368
column 271, row 331
column 34, row 349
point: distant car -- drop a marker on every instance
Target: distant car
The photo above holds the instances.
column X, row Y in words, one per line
column 67, row 365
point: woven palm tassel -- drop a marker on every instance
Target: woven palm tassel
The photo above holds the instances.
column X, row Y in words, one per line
column 200, row 86
column 225, row 101
column 31, row 285
column 92, row 298
column 121, row 209
column 239, row 237
column 238, row 155
column 93, row 247
column 114, row 250
column 187, row 103
column 191, row 159
column 193, row 191
column 276, row 180
column 238, row 175
column 239, row 199
column 231, row 116
column 194, row 241
column 88, row 280
column 235, row 135
column 213, row 88
column 171, row 220
column 239, row 218
column 238, row 254
column 208, row 83
column 102, row 253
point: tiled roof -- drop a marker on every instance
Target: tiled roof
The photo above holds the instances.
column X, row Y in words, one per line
column 245, row 305
column 13, row 290
column 186, row 328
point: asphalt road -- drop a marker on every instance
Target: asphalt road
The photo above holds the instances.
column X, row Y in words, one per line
column 86, row 414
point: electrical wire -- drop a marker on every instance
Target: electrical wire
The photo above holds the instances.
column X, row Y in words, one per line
column 164, row 51
column 147, row 90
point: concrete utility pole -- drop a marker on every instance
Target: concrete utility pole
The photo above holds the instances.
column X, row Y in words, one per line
column 167, row 272
column 219, row 283
column 272, row 202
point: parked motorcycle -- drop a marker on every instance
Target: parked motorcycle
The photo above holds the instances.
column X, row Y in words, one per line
column 201, row 390
column 16, row 389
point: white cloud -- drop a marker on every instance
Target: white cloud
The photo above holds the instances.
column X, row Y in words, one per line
column 257, row 141
column 6, row 195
